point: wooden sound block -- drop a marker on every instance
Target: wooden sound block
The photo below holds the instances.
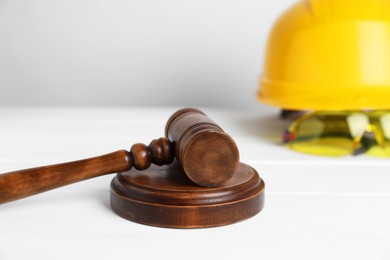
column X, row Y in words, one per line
column 166, row 197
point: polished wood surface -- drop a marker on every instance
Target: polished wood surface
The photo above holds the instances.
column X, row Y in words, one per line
column 166, row 197
column 205, row 187
column 208, row 155
column 24, row 183
column 20, row 184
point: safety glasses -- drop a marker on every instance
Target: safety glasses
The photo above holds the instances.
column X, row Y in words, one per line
column 341, row 133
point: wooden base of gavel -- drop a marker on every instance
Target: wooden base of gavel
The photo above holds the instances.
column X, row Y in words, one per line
column 202, row 182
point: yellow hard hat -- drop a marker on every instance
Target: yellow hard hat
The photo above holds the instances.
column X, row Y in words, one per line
column 329, row 55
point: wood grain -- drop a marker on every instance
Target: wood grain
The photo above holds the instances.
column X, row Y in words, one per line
column 166, row 197
column 23, row 183
column 208, row 155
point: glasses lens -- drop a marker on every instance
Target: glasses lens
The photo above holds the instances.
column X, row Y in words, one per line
column 324, row 134
column 383, row 151
column 385, row 124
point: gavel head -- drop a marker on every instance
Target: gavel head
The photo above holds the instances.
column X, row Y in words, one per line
column 207, row 154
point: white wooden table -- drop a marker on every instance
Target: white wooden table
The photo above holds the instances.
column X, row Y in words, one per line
column 315, row 208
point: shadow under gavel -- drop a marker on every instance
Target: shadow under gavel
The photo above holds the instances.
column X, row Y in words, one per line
column 208, row 155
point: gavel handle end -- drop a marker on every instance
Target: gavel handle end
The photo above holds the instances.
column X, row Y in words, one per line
column 20, row 184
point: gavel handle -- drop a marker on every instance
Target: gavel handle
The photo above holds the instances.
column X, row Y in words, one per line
column 20, row 184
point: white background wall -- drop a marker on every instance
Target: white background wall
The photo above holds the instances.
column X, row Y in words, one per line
column 133, row 52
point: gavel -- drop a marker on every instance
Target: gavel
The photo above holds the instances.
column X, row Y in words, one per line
column 208, row 156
